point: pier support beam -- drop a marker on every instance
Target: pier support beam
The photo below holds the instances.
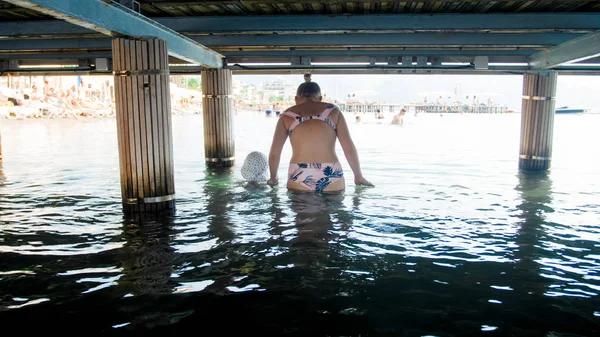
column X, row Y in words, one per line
column 537, row 120
column 141, row 69
column 219, row 145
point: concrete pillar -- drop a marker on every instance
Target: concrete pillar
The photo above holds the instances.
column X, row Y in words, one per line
column 537, row 120
column 217, row 97
column 141, row 69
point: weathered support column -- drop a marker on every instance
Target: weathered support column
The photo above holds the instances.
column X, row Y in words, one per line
column 537, row 120
column 141, row 69
column 219, row 145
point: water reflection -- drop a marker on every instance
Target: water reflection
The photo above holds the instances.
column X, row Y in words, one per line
column 536, row 195
column 537, row 282
column 147, row 256
column 147, row 259
column 438, row 248
column 217, row 189
column 277, row 224
column 308, row 231
column 225, row 259
column 313, row 216
column 312, row 244
column 356, row 198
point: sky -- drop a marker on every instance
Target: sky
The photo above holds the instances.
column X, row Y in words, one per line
column 573, row 91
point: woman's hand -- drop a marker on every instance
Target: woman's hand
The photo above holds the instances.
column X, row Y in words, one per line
column 273, row 181
column 361, row 181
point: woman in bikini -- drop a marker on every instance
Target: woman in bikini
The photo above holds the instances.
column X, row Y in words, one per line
column 313, row 127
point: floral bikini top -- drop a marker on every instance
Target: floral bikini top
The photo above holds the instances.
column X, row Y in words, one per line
column 323, row 116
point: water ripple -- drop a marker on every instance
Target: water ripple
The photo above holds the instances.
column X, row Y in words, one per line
column 453, row 241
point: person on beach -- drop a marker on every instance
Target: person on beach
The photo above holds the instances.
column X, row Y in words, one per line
column 399, row 118
column 313, row 127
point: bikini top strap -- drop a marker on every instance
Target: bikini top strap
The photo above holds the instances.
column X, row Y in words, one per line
column 324, row 116
column 327, row 111
column 290, row 114
column 297, row 119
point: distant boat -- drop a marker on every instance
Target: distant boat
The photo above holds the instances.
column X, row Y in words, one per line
column 567, row 110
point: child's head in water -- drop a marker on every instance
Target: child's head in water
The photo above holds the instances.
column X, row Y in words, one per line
column 256, row 167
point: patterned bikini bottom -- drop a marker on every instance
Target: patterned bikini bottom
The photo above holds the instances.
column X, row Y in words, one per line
column 315, row 176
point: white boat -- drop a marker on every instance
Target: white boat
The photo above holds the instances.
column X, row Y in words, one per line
column 567, row 110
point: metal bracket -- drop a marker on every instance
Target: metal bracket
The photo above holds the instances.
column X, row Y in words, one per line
column 149, row 200
column 141, row 72
column 9, row 65
column 216, row 160
column 527, row 156
column 216, row 96
column 539, row 98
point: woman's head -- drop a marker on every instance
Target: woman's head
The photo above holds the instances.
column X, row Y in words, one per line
column 308, row 91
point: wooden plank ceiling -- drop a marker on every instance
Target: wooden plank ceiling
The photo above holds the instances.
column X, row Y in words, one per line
column 166, row 8
column 282, row 7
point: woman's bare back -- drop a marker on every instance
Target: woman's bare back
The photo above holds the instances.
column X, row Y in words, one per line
column 313, row 141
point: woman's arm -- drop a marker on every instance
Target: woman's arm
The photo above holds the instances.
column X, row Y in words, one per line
column 350, row 150
column 279, row 138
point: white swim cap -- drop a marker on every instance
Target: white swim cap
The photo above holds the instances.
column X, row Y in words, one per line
column 256, row 166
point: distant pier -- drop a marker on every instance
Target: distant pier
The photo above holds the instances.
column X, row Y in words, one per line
column 364, row 108
column 458, row 108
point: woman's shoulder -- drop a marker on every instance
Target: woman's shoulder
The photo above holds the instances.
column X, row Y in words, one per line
column 314, row 107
